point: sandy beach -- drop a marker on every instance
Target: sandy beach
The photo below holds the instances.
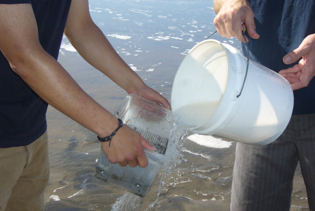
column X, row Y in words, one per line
column 152, row 37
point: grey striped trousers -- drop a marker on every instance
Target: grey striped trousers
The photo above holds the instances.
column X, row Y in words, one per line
column 263, row 175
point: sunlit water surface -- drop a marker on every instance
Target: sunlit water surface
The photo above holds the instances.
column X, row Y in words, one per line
column 152, row 36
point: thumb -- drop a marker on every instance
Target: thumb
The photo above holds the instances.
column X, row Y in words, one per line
column 294, row 55
column 251, row 27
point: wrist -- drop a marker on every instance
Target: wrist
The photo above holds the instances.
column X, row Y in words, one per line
column 135, row 88
column 106, row 125
column 109, row 137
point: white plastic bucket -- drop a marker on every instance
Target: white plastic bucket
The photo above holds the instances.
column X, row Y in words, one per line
column 213, row 95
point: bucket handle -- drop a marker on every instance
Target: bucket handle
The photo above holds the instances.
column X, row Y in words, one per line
column 246, row 44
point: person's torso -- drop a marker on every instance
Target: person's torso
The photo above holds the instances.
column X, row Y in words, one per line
column 282, row 26
column 22, row 111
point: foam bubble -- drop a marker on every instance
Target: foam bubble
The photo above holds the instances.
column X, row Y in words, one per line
column 177, row 38
column 68, row 47
column 209, row 141
column 55, row 197
column 122, row 37
column 133, row 67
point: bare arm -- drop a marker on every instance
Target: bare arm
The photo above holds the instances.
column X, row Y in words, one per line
column 93, row 46
column 20, row 45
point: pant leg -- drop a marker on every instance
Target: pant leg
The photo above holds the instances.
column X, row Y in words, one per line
column 28, row 191
column 10, row 170
column 306, row 148
column 263, row 175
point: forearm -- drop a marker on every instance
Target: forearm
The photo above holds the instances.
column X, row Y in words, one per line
column 53, row 84
column 94, row 47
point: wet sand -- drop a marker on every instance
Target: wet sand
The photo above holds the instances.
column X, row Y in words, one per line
column 153, row 37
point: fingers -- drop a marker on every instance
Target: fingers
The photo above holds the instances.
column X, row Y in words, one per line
column 224, row 26
column 123, row 164
column 251, row 26
column 302, row 73
column 294, row 69
column 294, row 55
column 294, row 80
column 230, row 18
column 164, row 102
column 132, row 163
column 142, row 160
column 306, row 47
column 139, row 158
column 239, row 30
column 147, row 145
column 131, row 160
column 298, row 76
column 299, row 84
column 228, row 30
column 126, row 148
column 306, row 76
column 152, row 95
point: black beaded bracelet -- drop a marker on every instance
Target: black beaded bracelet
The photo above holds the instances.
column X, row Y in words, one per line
column 109, row 138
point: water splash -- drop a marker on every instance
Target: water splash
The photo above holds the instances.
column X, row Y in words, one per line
column 173, row 156
column 128, row 201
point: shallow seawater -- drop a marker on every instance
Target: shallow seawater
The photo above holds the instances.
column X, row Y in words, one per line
column 152, row 37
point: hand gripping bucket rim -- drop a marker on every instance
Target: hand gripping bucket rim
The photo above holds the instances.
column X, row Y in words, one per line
column 234, row 95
